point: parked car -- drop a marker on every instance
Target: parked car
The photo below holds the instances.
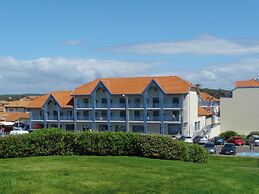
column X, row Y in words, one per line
column 237, row 140
column 254, row 139
column 228, row 149
column 204, row 140
column 197, row 138
column 200, row 139
column 210, row 147
column 219, row 140
column 186, row 139
column 18, row 132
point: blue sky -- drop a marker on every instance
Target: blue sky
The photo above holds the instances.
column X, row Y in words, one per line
column 49, row 45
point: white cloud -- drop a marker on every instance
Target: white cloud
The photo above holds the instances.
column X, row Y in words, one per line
column 73, row 42
column 223, row 75
column 203, row 45
column 47, row 74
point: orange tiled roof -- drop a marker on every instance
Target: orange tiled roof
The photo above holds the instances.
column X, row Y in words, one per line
column 247, row 83
column 63, row 98
column 13, row 116
column 204, row 112
column 206, row 97
column 17, row 103
column 136, row 85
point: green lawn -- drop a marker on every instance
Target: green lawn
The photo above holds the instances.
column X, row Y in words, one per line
column 96, row 174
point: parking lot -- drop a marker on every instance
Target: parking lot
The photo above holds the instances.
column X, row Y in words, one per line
column 244, row 148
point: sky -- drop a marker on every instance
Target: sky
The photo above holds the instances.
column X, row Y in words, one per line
column 61, row 44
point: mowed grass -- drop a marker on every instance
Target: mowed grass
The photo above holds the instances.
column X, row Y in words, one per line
column 107, row 174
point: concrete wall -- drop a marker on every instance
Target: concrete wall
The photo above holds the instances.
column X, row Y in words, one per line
column 190, row 112
column 240, row 113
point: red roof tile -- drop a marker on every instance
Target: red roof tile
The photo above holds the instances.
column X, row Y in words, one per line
column 204, row 112
column 247, row 83
column 206, row 97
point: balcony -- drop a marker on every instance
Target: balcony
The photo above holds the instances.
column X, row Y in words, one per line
column 136, row 105
column 101, row 118
column 37, row 117
column 84, row 117
column 153, row 118
column 84, row 105
column 172, row 105
column 118, row 105
column 136, row 118
column 101, row 105
column 52, row 117
column 172, row 118
column 67, row 117
column 153, row 105
column 118, row 118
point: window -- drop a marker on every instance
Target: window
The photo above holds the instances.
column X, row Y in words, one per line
column 104, row 113
column 69, row 127
column 174, row 129
column 175, row 100
column 104, row 100
column 55, row 113
column 137, row 113
column 119, row 128
column 137, row 100
column 54, row 126
column 138, row 128
column 156, row 100
column 103, row 128
column 176, row 115
column 122, row 100
column 122, row 113
column 85, row 101
column 197, row 125
column 86, row 113
column 155, row 113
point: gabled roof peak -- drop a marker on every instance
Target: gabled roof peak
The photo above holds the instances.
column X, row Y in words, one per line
column 136, row 85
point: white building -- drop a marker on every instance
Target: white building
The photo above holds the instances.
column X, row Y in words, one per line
column 161, row 105
column 239, row 112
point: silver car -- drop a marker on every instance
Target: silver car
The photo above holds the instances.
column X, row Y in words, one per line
column 253, row 139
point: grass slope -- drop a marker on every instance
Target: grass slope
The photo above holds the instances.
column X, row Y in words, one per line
column 96, row 174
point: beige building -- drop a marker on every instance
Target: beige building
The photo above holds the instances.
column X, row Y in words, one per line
column 239, row 112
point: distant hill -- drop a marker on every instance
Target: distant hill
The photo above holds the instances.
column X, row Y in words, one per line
column 217, row 93
column 16, row 96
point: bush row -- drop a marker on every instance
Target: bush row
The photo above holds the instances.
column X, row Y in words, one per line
column 48, row 142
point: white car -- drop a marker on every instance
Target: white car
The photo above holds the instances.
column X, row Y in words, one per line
column 203, row 140
column 188, row 139
column 18, row 132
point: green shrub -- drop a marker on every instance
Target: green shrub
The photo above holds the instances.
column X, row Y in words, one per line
column 226, row 135
column 243, row 137
column 47, row 142
column 198, row 154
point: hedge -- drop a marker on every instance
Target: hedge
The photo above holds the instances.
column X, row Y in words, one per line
column 49, row 142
